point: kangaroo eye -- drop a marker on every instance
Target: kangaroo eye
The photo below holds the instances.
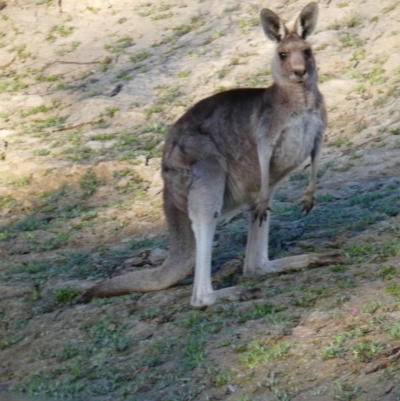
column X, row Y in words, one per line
column 282, row 56
column 307, row 52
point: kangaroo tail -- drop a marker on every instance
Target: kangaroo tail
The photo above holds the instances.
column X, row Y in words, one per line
column 179, row 263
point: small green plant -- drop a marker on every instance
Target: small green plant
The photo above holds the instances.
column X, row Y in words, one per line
column 65, row 49
column 376, row 75
column 5, row 235
column 124, row 75
column 36, row 110
column 193, row 351
column 345, row 391
column 105, row 64
column 6, row 201
column 195, row 22
column 388, row 272
column 141, row 56
column 260, row 353
column 324, row 78
column 360, row 127
column 107, row 333
column 69, row 350
column 339, row 142
column 155, row 16
column 394, row 333
column 353, row 21
column 45, row 78
column 224, row 72
column 48, row 123
column 89, row 182
column 380, row 101
column 59, row 240
column 21, row 51
column 110, row 111
column 354, row 74
column 61, row 86
column 168, row 95
column 349, row 40
column 183, row 74
column 30, row 223
column 304, row 302
column 65, row 295
column 364, row 350
column 370, row 250
column 338, row 268
column 121, row 44
column 157, row 126
column 19, row 182
column 335, row 348
column 8, row 341
column 103, row 137
column 181, row 30
column 334, row 26
column 60, row 30
column 94, row 10
column 360, row 89
column 393, row 289
column 245, row 24
column 151, row 110
column 370, row 308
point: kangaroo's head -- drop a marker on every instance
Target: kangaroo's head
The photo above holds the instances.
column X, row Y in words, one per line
column 293, row 61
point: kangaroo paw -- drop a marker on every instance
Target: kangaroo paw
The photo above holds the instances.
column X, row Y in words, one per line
column 228, row 294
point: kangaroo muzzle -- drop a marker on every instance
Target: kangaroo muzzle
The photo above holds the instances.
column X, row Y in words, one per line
column 299, row 71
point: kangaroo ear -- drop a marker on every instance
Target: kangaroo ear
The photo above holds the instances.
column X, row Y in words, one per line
column 307, row 20
column 273, row 26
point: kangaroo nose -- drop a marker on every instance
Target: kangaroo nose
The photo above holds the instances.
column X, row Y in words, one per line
column 299, row 72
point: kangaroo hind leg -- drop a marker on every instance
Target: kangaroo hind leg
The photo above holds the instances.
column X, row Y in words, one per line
column 205, row 201
column 257, row 261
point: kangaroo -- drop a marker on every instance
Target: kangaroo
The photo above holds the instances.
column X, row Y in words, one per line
column 230, row 151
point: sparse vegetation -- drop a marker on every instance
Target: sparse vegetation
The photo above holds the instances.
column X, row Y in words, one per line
column 89, row 182
column 349, row 40
column 121, row 44
column 81, row 201
column 141, row 56
column 59, row 30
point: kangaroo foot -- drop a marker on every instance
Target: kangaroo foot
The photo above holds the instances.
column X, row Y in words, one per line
column 309, row 261
column 293, row 263
column 227, row 294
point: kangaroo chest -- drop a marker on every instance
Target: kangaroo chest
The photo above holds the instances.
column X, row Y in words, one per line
column 295, row 143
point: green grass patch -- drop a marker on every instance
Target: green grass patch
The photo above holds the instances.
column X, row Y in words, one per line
column 38, row 109
column 364, row 350
column 335, row 348
column 65, row 295
column 373, row 251
column 140, row 56
column 89, row 182
column 259, row 353
column 107, row 333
